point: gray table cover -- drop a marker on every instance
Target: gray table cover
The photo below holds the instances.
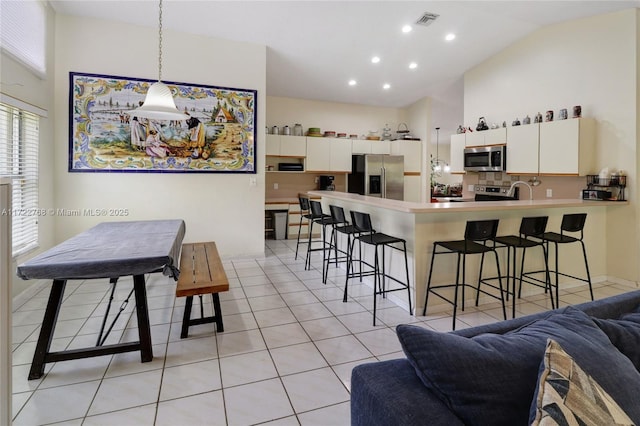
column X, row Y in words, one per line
column 111, row 250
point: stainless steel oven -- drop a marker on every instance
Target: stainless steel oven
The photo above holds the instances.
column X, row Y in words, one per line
column 485, row 158
column 495, row 193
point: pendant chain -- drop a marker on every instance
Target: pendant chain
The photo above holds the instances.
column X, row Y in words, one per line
column 160, row 43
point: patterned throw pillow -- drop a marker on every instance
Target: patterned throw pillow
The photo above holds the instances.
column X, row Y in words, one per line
column 569, row 396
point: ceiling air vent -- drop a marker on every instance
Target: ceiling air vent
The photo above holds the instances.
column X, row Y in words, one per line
column 427, row 18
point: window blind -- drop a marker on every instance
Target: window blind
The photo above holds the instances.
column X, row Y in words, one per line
column 22, row 33
column 19, row 137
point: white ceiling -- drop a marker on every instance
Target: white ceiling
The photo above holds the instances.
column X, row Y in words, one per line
column 315, row 47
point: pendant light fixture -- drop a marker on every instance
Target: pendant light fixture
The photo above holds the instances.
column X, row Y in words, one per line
column 159, row 103
column 438, row 165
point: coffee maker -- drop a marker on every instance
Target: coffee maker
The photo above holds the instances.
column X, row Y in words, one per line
column 325, row 183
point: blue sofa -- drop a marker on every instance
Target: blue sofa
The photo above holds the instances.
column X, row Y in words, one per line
column 410, row 391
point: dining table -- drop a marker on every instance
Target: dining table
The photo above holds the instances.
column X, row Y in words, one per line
column 109, row 250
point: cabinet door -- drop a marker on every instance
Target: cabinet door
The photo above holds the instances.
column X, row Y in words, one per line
column 412, row 152
column 380, row 147
column 318, row 155
column 359, row 146
column 495, row 136
column 293, row 146
column 474, row 138
column 522, row 149
column 272, row 145
column 457, row 153
column 567, row 146
column 340, row 155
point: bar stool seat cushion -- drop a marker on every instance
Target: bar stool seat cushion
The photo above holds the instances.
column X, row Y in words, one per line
column 515, row 241
column 559, row 238
column 469, row 247
column 377, row 239
column 491, row 378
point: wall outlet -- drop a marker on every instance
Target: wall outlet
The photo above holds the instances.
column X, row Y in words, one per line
column 549, row 193
column 275, row 186
column 253, row 181
column 470, row 188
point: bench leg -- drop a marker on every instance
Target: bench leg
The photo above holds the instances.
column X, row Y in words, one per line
column 185, row 319
column 217, row 312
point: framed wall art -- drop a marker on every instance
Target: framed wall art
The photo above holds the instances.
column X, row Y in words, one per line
column 218, row 136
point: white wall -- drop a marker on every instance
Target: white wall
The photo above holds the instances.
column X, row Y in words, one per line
column 591, row 62
column 19, row 82
column 215, row 206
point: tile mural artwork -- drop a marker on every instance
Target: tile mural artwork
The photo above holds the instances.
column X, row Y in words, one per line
column 218, row 136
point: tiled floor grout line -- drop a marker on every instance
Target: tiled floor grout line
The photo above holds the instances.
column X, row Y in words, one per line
column 278, row 259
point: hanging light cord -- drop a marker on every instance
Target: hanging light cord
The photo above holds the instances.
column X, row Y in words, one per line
column 437, row 144
column 160, row 43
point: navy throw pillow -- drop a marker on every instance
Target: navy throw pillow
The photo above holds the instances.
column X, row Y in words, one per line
column 490, row 379
column 624, row 334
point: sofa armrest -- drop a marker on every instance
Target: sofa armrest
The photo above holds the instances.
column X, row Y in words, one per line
column 389, row 393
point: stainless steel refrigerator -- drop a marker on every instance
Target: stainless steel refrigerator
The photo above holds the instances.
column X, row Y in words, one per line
column 377, row 175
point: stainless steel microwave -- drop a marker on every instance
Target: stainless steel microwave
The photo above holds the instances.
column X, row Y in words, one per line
column 486, row 158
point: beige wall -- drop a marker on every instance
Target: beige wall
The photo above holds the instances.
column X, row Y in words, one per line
column 591, row 62
column 215, row 206
column 334, row 116
column 20, row 83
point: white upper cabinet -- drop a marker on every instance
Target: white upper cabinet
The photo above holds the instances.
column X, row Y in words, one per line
column 522, row 149
column 567, row 147
column 362, row 146
column 328, row 155
column 286, row 146
column 486, row 137
column 456, row 162
column 412, row 152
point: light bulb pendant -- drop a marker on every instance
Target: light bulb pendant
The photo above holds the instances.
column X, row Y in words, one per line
column 159, row 104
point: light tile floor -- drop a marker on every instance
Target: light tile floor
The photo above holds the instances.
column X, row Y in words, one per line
column 285, row 357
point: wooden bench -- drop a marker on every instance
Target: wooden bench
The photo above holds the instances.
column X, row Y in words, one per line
column 201, row 272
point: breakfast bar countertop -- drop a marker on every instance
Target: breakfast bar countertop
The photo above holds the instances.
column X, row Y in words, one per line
column 469, row 206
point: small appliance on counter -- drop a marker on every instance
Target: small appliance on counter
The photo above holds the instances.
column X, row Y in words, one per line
column 290, row 167
column 325, row 183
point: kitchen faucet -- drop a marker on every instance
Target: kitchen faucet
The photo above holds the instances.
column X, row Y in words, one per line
column 514, row 184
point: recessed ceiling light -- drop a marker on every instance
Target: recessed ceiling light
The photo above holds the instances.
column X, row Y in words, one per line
column 450, row 36
column 375, row 59
column 407, row 29
column 386, row 86
column 352, row 82
column 413, row 65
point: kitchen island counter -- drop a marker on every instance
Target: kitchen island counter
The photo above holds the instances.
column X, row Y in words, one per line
column 420, row 224
column 463, row 206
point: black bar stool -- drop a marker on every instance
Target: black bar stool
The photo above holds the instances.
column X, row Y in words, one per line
column 340, row 226
column 529, row 227
column 477, row 235
column 304, row 214
column 570, row 223
column 368, row 235
column 325, row 221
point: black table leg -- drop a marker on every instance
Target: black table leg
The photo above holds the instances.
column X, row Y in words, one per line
column 186, row 318
column 217, row 311
column 144, row 329
column 48, row 327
